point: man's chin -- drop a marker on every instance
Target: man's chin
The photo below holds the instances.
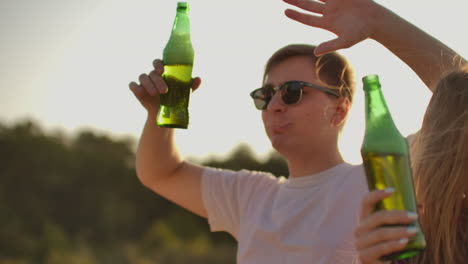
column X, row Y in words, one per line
column 280, row 144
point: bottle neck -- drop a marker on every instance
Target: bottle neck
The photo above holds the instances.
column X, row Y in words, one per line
column 376, row 107
column 381, row 132
column 179, row 49
column 181, row 23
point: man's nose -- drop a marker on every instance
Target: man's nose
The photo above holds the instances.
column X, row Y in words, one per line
column 276, row 103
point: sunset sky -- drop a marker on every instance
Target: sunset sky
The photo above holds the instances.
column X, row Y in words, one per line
column 67, row 64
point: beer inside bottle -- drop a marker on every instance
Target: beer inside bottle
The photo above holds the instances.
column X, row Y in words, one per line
column 387, row 164
column 178, row 56
column 385, row 170
column 173, row 109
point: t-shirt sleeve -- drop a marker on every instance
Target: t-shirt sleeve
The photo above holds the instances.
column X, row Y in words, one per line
column 226, row 195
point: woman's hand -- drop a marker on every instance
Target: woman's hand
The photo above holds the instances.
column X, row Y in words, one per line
column 375, row 237
column 351, row 20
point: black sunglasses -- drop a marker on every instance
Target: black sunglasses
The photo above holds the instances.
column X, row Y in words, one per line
column 291, row 93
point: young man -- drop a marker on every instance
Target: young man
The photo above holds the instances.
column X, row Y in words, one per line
column 310, row 216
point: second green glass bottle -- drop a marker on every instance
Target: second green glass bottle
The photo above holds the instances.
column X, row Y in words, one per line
column 386, row 162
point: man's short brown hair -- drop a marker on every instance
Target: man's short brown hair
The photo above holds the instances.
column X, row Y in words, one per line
column 331, row 68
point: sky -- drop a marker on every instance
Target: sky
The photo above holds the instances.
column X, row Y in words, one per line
column 67, row 64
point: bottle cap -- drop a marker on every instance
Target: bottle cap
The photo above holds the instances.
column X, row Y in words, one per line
column 371, row 81
column 183, row 6
column 371, row 78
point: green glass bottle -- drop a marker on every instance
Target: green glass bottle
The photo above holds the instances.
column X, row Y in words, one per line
column 178, row 58
column 386, row 162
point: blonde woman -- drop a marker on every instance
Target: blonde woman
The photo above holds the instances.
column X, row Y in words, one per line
column 440, row 162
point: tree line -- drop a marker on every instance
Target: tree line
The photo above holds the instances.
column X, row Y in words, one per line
column 77, row 199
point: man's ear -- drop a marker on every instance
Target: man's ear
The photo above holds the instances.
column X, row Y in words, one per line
column 342, row 108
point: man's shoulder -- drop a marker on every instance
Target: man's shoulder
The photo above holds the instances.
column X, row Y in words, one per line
column 411, row 137
column 348, row 169
column 352, row 177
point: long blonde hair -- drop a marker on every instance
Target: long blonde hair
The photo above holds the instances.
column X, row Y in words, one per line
column 440, row 164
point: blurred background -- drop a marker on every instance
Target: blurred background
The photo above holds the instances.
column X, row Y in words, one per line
column 69, row 124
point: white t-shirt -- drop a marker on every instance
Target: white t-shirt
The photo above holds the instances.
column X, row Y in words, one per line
column 277, row 220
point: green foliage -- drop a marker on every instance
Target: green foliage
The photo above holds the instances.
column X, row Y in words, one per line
column 243, row 157
column 77, row 199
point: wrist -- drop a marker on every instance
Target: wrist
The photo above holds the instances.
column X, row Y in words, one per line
column 152, row 112
column 151, row 117
column 382, row 20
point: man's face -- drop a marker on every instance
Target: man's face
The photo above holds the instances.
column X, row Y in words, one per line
column 306, row 124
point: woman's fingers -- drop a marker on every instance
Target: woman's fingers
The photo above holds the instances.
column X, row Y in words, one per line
column 382, row 232
column 383, row 217
column 385, row 234
column 352, row 21
column 370, row 219
column 373, row 254
column 308, row 5
column 330, row 46
column 372, row 198
column 307, row 19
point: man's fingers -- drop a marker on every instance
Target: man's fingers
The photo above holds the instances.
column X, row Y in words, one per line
column 158, row 82
column 158, row 66
column 196, row 82
column 146, row 83
column 137, row 90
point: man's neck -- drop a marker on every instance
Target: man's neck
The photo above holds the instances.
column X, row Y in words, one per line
column 312, row 163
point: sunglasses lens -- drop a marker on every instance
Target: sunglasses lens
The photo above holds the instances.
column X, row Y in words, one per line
column 261, row 98
column 260, row 104
column 291, row 93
